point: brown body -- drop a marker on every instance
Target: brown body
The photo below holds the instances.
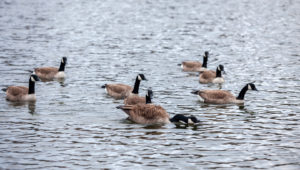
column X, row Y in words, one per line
column 218, row 97
column 134, row 99
column 19, row 93
column 194, row 66
column 146, row 113
column 46, row 73
column 207, row 76
column 118, row 91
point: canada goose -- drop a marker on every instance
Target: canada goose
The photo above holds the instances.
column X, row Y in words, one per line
column 121, row 91
column 195, row 66
column 133, row 99
column 179, row 118
column 224, row 97
column 153, row 114
column 50, row 73
column 210, row 76
column 21, row 93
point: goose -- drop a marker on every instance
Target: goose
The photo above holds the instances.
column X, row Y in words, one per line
column 50, row 73
column 210, row 76
column 195, row 66
column 148, row 113
column 121, row 91
column 21, row 93
column 153, row 114
column 133, row 99
column 224, row 97
column 180, row 118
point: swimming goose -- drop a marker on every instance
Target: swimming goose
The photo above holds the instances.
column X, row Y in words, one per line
column 195, row 66
column 133, row 99
column 121, row 91
column 50, row 73
column 180, row 118
column 21, row 93
column 210, row 76
column 222, row 96
column 153, row 114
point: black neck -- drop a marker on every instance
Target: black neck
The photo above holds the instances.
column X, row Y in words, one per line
column 218, row 73
column 148, row 99
column 178, row 118
column 62, row 66
column 31, row 86
column 136, row 86
column 242, row 93
column 204, row 64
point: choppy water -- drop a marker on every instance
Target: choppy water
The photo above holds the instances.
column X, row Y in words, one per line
column 75, row 125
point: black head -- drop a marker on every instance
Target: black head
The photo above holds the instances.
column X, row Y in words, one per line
column 206, row 53
column 34, row 78
column 141, row 77
column 150, row 93
column 64, row 60
column 180, row 118
column 193, row 119
column 221, row 67
column 251, row 86
column 149, row 96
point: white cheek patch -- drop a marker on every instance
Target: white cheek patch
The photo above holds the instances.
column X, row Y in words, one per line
column 139, row 77
column 62, row 60
column 249, row 87
column 219, row 68
column 181, row 121
column 190, row 121
column 32, row 79
column 200, row 98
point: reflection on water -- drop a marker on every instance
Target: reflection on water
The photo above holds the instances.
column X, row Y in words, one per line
column 75, row 125
column 31, row 108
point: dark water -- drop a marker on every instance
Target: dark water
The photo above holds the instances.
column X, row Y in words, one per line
column 75, row 125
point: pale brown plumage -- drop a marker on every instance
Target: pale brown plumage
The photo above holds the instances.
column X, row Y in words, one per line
column 134, row 99
column 223, row 96
column 17, row 93
column 146, row 113
column 121, row 91
column 207, row 76
column 21, row 93
column 210, row 76
column 195, row 66
column 46, row 73
column 217, row 96
column 118, row 91
column 192, row 66
column 50, row 73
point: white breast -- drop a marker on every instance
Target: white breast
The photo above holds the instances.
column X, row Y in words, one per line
column 60, row 74
column 218, row 80
column 29, row 97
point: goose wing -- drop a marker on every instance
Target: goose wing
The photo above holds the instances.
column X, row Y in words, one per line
column 17, row 90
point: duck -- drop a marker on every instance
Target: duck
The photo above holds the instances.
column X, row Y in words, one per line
column 121, row 91
column 133, row 99
column 210, row 76
column 21, row 93
column 195, row 66
column 223, row 96
column 50, row 73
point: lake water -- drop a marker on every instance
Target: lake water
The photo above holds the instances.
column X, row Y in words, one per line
column 75, row 125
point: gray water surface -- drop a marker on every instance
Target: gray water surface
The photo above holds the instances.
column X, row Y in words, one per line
column 75, row 125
